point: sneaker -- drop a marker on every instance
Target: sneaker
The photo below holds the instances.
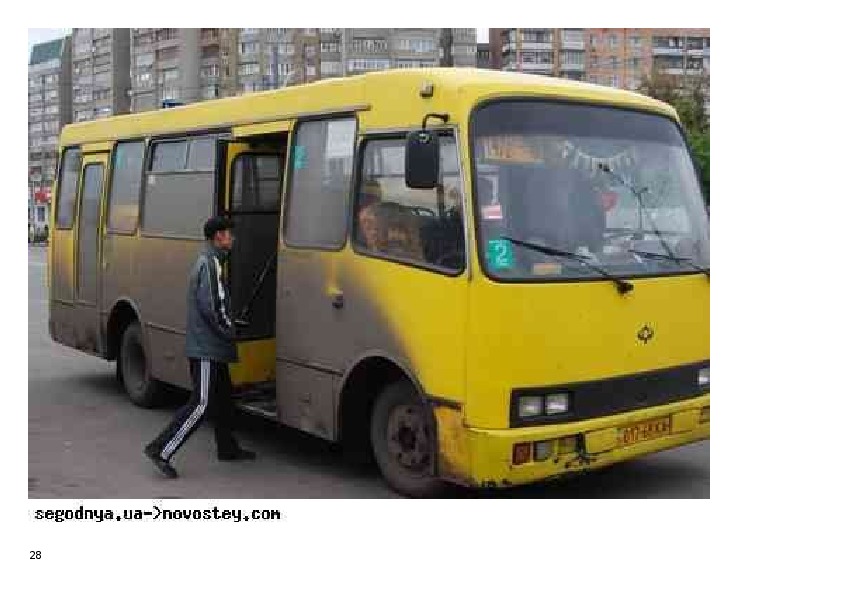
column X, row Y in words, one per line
column 238, row 455
column 163, row 465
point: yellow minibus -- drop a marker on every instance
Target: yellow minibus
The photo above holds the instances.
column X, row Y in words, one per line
column 485, row 278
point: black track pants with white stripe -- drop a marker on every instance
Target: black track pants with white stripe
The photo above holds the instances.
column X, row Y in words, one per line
column 212, row 397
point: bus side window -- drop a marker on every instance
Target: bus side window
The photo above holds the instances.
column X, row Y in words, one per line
column 180, row 187
column 124, row 195
column 390, row 219
column 71, row 166
column 322, row 162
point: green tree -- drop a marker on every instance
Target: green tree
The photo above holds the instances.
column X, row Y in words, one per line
column 688, row 96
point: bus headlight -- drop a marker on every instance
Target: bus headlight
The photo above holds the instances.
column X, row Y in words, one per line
column 530, row 406
column 704, row 378
column 556, row 403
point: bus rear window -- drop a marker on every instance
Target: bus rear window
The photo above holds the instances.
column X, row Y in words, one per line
column 71, row 165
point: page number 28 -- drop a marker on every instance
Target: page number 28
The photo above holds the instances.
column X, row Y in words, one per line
column 34, row 554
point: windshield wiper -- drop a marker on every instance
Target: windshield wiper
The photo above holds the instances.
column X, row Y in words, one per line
column 622, row 285
column 676, row 259
column 638, row 194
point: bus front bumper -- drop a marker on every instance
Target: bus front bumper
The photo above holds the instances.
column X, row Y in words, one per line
column 582, row 445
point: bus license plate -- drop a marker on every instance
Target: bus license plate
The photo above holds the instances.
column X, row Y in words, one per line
column 645, row 430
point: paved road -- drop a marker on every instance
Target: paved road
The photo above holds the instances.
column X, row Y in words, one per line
column 85, row 441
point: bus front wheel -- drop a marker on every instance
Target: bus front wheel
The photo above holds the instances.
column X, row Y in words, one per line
column 403, row 441
column 133, row 371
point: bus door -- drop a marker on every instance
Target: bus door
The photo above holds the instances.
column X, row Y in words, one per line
column 86, row 319
column 254, row 175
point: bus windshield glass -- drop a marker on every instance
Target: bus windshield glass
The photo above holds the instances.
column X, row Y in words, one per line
column 613, row 187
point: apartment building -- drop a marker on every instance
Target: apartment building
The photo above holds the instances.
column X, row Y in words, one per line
column 186, row 65
column 49, row 110
column 100, row 73
column 464, row 47
column 180, row 65
column 613, row 57
column 274, row 58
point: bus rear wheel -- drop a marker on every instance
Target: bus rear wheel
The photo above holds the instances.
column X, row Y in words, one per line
column 133, row 370
column 404, row 442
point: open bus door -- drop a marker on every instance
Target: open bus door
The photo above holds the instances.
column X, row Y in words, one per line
column 255, row 163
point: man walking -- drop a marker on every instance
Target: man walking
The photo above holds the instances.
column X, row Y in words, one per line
column 210, row 348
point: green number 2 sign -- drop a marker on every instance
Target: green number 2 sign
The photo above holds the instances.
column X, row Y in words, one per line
column 500, row 254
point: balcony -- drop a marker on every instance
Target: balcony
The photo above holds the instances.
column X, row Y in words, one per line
column 572, row 44
column 573, row 67
column 536, row 45
column 701, row 52
column 536, row 67
column 661, row 51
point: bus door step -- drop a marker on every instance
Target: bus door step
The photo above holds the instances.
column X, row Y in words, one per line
column 259, row 402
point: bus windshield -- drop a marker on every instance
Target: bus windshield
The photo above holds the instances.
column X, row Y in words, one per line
column 615, row 187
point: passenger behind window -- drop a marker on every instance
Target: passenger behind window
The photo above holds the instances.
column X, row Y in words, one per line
column 402, row 236
column 369, row 224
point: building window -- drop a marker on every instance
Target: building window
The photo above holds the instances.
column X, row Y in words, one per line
column 573, row 58
column 634, row 41
column 250, row 47
column 330, row 47
column 316, row 211
column 365, row 64
column 614, row 80
column 170, row 53
column 331, row 68
column 594, row 40
column 167, row 75
column 141, row 60
column 419, row 46
column 143, row 80
column 369, row 46
column 166, row 34
column 573, row 36
column 210, row 52
column 170, row 93
column 210, row 71
column 612, row 41
column 250, row 87
column 415, row 64
column 248, row 69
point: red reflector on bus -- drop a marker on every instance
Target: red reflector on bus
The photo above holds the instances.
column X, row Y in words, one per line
column 521, row 453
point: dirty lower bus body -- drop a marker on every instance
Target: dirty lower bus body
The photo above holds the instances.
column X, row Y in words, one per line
column 484, row 278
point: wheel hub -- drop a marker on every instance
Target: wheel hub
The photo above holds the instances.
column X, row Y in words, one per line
column 408, row 437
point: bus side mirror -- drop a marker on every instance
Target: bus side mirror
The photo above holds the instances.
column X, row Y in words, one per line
column 421, row 166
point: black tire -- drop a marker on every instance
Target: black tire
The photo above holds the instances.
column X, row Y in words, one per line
column 407, row 457
column 133, row 371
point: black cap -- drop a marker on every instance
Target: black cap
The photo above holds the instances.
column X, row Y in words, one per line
column 215, row 224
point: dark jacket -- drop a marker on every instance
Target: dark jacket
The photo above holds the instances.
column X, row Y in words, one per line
column 210, row 322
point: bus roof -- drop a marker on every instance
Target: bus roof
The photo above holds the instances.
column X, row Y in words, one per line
column 376, row 90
